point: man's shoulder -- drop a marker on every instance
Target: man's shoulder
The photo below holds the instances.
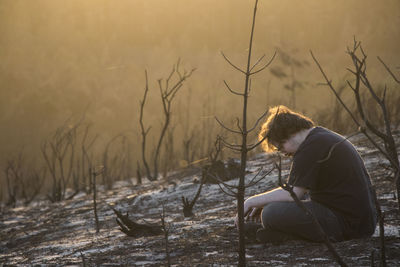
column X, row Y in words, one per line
column 320, row 132
column 319, row 137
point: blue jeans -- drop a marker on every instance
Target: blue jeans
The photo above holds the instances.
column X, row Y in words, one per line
column 289, row 219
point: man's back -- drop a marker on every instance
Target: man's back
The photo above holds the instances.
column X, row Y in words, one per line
column 331, row 168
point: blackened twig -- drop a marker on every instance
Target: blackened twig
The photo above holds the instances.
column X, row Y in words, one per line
column 265, row 66
column 135, row 229
column 165, row 229
column 388, row 70
column 188, row 206
column 231, row 90
column 95, row 173
column 233, row 65
column 381, row 221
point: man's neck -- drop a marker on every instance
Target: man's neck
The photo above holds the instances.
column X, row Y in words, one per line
column 301, row 136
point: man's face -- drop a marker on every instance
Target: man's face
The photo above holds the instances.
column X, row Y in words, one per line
column 288, row 146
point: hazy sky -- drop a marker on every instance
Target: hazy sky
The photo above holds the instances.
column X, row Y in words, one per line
column 60, row 57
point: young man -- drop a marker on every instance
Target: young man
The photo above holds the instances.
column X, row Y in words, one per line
column 328, row 168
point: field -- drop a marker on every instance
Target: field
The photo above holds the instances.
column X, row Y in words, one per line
column 64, row 233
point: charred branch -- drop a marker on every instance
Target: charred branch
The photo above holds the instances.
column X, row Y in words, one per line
column 226, row 128
column 165, row 230
column 134, row 229
column 265, row 66
column 389, row 70
column 231, row 90
column 188, row 205
column 95, row 173
column 230, row 63
column 323, row 235
column 144, row 131
column 358, row 57
column 238, row 191
column 168, row 90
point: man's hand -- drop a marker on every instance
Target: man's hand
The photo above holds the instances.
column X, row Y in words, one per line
column 254, row 215
column 250, row 213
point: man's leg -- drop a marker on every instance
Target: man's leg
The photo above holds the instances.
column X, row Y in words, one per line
column 289, row 220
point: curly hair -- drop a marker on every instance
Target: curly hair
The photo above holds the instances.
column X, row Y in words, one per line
column 280, row 125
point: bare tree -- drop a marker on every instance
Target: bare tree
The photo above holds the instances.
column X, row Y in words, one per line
column 116, row 160
column 138, row 173
column 12, row 175
column 165, row 230
column 22, row 182
column 168, row 88
column 238, row 191
column 67, row 155
column 95, row 172
column 59, row 155
column 81, row 171
column 32, row 184
column 168, row 158
column 370, row 129
column 390, row 71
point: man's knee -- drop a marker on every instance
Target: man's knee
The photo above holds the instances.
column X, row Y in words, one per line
column 273, row 214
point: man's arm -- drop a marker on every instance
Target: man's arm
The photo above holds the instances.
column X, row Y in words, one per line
column 254, row 203
column 275, row 195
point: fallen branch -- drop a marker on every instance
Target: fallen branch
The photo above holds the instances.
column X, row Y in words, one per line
column 134, row 229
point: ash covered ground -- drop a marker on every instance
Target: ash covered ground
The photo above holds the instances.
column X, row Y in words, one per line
column 64, row 233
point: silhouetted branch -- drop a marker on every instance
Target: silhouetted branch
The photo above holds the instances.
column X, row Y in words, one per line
column 227, row 191
column 94, row 174
column 238, row 125
column 188, row 206
column 242, row 71
column 253, row 146
column 226, row 128
column 388, row 70
column 258, row 121
column 233, row 147
column 134, row 229
column 165, row 230
column 265, row 66
column 243, row 148
column 258, row 61
column 323, row 235
column 232, row 91
column 252, row 182
column 329, row 84
column 167, row 96
column 144, row 131
column 381, row 223
column 168, row 92
column 361, row 127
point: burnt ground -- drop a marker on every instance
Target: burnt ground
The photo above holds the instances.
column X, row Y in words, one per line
column 64, row 233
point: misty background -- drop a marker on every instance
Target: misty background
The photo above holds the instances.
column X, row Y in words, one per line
column 69, row 61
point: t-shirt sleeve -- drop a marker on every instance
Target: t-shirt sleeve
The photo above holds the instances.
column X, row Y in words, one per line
column 305, row 166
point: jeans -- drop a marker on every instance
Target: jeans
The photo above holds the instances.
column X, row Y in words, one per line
column 289, row 219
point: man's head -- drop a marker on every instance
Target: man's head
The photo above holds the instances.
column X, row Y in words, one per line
column 280, row 125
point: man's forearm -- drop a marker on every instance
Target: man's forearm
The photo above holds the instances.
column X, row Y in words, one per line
column 278, row 194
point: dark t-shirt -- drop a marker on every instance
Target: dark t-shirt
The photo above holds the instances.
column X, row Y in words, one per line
column 339, row 182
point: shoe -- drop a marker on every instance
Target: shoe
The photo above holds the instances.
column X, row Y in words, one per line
column 250, row 230
column 270, row 236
